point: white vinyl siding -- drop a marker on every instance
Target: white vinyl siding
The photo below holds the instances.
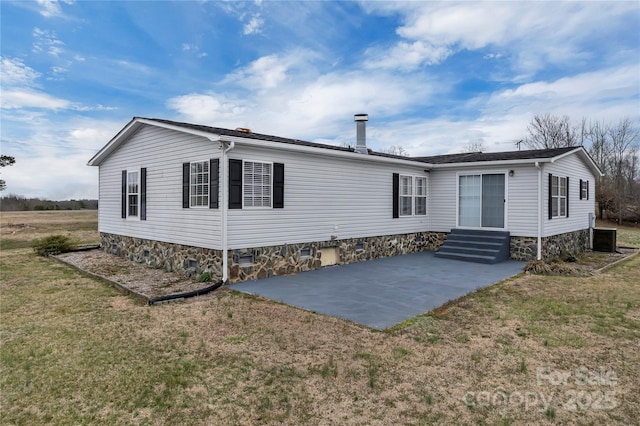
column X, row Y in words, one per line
column 522, row 199
column 199, row 184
column 575, row 169
column 162, row 152
column 324, row 197
column 257, row 183
column 133, row 194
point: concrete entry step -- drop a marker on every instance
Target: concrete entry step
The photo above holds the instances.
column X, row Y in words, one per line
column 476, row 245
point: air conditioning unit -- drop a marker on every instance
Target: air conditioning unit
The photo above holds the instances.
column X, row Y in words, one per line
column 604, row 239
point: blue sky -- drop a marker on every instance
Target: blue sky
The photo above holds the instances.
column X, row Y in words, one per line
column 433, row 76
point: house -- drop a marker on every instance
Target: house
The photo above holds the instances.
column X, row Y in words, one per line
column 244, row 205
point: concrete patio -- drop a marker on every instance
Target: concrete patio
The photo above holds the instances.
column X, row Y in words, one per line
column 383, row 292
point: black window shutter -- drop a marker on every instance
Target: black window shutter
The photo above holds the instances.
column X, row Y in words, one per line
column 581, row 183
column 396, row 195
column 568, row 196
column 235, row 184
column 143, row 193
column 123, row 208
column 278, row 185
column 186, row 167
column 214, row 182
column 550, row 199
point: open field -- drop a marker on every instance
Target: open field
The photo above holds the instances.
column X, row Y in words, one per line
column 530, row 350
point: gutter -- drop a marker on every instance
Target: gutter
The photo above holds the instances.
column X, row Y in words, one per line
column 540, row 220
column 225, row 207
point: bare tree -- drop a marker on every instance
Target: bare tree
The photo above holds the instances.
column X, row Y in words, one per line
column 613, row 147
column 474, row 147
column 550, row 131
column 623, row 163
column 600, row 150
column 396, row 150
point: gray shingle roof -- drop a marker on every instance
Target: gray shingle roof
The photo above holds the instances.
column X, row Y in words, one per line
column 471, row 157
column 435, row 159
column 248, row 135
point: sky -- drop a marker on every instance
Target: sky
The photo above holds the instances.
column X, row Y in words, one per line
column 433, row 76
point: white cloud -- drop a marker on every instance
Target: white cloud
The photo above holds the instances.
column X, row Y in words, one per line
column 406, row 56
column 15, row 72
column 194, row 48
column 208, row 108
column 51, row 8
column 51, row 157
column 307, row 108
column 60, row 177
column 20, row 98
column 46, row 41
column 25, row 98
column 254, row 26
column 606, row 94
column 534, row 33
column 264, row 73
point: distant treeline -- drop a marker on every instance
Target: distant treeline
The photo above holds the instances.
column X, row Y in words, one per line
column 18, row 203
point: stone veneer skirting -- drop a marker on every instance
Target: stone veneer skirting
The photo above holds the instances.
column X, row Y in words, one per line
column 559, row 246
column 189, row 260
column 263, row 262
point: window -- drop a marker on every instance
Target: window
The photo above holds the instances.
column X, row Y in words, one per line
column 199, row 184
column 133, row 194
column 421, row 196
column 584, row 189
column 412, row 196
column 406, row 195
column 558, row 196
column 256, row 180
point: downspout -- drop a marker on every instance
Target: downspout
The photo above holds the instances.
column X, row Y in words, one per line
column 540, row 222
column 225, row 206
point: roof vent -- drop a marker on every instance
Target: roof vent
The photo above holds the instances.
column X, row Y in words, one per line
column 361, row 137
column 243, row 130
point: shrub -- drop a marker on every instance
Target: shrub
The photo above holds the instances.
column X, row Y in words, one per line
column 204, row 277
column 537, row 267
column 563, row 269
column 557, row 267
column 53, row 244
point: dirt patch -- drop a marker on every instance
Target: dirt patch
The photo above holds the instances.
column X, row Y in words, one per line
column 594, row 262
column 136, row 277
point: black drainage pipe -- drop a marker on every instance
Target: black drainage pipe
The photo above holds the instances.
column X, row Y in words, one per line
column 186, row 295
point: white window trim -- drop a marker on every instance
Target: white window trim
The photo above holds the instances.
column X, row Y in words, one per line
column 137, row 171
column 560, row 197
column 270, row 206
column 413, row 195
column 506, row 197
column 206, row 206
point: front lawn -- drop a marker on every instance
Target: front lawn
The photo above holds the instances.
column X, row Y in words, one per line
column 533, row 349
